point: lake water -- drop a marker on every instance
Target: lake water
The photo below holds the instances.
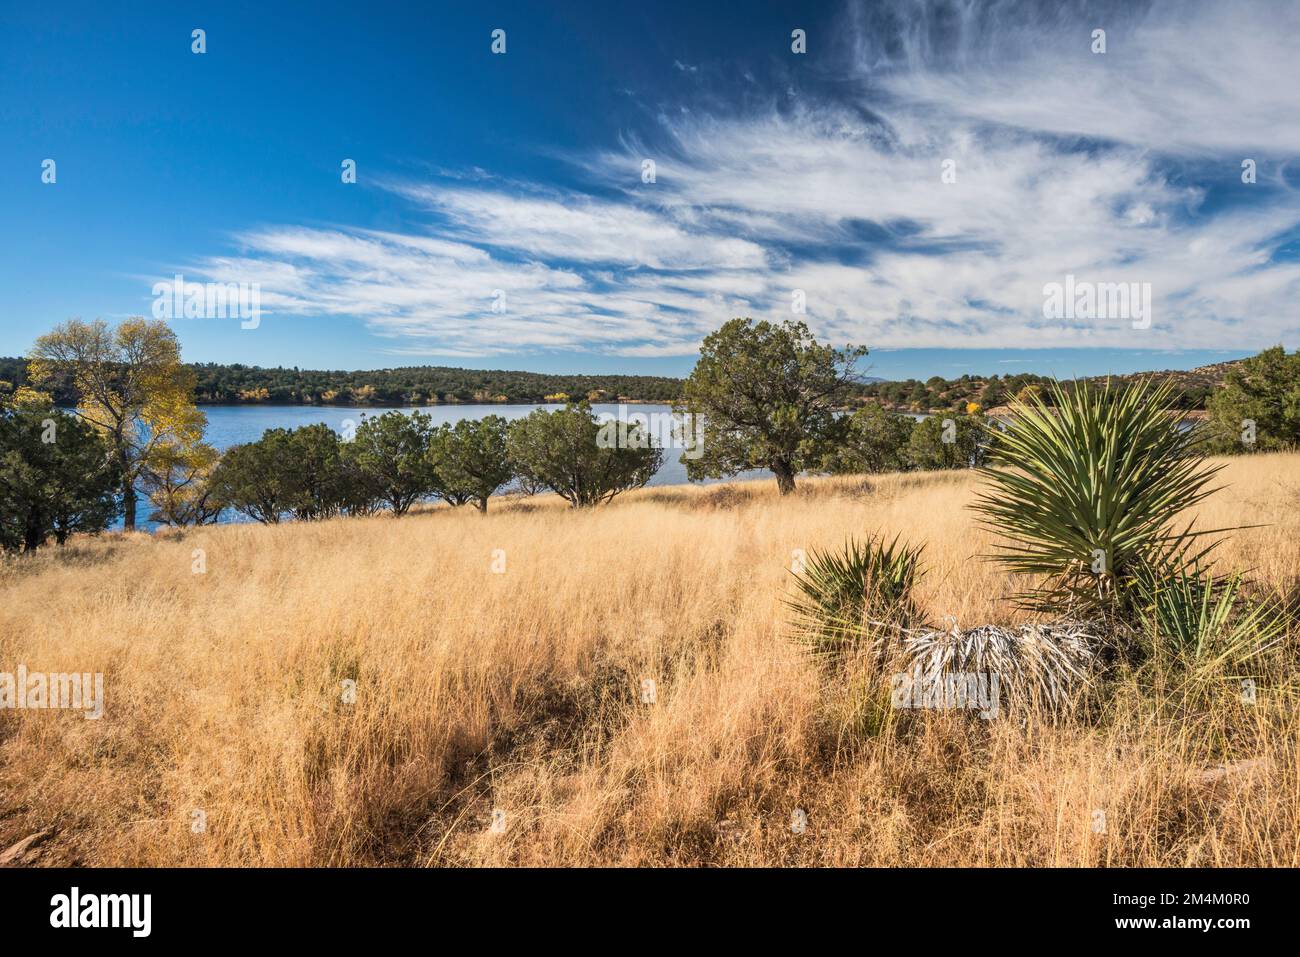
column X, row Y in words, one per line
column 234, row 424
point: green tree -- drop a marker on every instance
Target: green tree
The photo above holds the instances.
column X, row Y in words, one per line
column 873, row 440
column 561, row 451
column 470, row 460
column 392, row 452
column 1258, row 406
column 948, row 442
column 317, row 486
column 766, row 394
column 130, row 386
column 57, row 477
column 253, row 478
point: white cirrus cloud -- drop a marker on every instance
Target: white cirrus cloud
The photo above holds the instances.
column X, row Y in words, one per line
column 1114, row 167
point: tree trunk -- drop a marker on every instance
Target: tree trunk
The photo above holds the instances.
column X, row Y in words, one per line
column 128, row 507
column 34, row 533
column 784, row 475
column 481, row 505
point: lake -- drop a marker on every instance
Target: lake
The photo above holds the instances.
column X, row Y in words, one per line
column 234, row 424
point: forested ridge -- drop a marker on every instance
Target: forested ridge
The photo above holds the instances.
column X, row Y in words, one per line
column 239, row 384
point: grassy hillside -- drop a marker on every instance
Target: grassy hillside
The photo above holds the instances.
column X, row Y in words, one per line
column 521, row 691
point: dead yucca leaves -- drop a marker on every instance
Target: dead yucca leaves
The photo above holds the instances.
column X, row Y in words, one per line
column 1037, row 666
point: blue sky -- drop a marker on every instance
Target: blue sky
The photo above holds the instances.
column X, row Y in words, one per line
column 517, row 179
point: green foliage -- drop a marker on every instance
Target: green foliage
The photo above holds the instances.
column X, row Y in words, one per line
column 318, row 484
column 305, row 472
column 254, row 478
column 1088, row 492
column 948, row 442
column 1259, row 400
column 470, row 460
column 56, row 477
column 559, row 450
column 391, row 452
column 841, row 596
column 1205, row 625
column 872, row 440
column 767, row 396
column 416, row 385
column 938, row 393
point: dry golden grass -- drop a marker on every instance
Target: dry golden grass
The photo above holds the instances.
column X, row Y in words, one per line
column 522, row 691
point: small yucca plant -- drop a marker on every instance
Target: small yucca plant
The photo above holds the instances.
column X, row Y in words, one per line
column 1087, row 484
column 844, row 597
column 1206, row 625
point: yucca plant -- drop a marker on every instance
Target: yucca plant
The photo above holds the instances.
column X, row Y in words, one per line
column 1206, row 625
column 1086, row 484
column 844, row 597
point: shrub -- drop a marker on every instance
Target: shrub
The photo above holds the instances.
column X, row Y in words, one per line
column 1039, row 667
column 470, row 460
column 847, row 596
column 56, row 477
column 560, row 451
column 254, row 478
column 948, row 442
column 392, row 453
column 874, row 440
column 1206, row 626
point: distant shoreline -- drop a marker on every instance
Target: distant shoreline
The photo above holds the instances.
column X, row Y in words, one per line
column 404, row 405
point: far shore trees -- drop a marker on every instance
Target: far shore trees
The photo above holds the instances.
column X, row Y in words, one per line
column 767, row 395
column 470, row 460
column 559, row 450
column 56, row 476
column 130, row 386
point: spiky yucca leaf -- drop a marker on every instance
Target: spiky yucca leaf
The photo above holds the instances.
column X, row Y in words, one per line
column 1206, row 624
column 838, row 594
column 1087, row 484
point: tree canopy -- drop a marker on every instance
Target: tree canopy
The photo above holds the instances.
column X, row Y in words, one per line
column 130, row 386
column 559, row 450
column 767, row 394
column 56, row 476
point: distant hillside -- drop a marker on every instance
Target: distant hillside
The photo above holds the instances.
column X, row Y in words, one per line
column 991, row 392
column 409, row 385
column 430, row 385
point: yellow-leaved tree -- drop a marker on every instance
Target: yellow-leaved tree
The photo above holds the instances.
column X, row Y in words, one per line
column 130, row 386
